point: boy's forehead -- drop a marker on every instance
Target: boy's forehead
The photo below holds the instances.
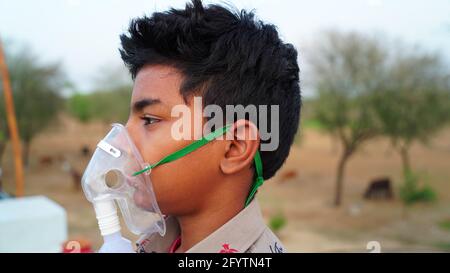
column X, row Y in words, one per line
column 158, row 82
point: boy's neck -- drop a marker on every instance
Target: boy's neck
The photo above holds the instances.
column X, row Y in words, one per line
column 196, row 227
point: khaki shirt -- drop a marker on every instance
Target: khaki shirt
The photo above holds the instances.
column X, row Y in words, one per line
column 245, row 232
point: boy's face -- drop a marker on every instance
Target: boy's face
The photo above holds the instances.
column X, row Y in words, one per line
column 181, row 186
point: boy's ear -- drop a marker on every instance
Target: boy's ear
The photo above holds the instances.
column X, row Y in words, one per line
column 242, row 142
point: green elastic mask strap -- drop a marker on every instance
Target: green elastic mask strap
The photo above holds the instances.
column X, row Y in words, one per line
column 259, row 177
column 199, row 143
column 186, row 150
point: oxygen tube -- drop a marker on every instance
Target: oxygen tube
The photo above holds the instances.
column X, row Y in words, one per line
column 108, row 222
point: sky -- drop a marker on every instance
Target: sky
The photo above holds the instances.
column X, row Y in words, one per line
column 84, row 35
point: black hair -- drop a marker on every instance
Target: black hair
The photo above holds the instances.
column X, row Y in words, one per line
column 232, row 57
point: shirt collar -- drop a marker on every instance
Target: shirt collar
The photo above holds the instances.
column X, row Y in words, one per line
column 237, row 235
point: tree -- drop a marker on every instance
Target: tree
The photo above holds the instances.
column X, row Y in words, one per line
column 80, row 107
column 415, row 103
column 348, row 69
column 36, row 90
column 108, row 101
column 106, row 105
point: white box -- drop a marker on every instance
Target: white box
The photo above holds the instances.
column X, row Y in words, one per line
column 32, row 224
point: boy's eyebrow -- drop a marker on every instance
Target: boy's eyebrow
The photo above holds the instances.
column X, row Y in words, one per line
column 139, row 105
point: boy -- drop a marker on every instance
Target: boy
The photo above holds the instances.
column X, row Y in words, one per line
column 225, row 58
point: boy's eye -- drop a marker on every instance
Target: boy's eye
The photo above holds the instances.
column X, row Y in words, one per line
column 148, row 120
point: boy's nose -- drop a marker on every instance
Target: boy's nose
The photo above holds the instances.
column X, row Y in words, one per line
column 133, row 134
column 130, row 131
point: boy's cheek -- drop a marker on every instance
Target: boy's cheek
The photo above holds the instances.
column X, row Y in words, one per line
column 178, row 187
column 171, row 199
column 168, row 188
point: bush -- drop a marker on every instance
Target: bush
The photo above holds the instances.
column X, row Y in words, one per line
column 79, row 107
column 105, row 105
column 445, row 224
column 411, row 193
column 277, row 222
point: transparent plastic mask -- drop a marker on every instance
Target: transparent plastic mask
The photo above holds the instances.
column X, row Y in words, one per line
column 109, row 177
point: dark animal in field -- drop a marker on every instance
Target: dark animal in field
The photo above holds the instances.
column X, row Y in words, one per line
column 74, row 174
column 288, row 175
column 45, row 160
column 76, row 178
column 85, row 151
column 379, row 189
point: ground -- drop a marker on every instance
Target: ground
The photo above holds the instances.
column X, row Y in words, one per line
column 302, row 191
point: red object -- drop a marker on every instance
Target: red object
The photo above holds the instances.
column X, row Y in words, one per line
column 175, row 245
column 226, row 249
column 77, row 246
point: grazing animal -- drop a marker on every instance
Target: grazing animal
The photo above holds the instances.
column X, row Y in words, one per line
column 74, row 173
column 76, row 178
column 379, row 189
column 85, row 151
column 45, row 160
column 288, row 175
